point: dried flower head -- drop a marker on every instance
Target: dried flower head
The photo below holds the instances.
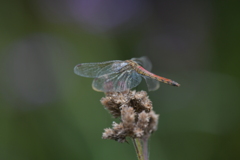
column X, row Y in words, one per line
column 135, row 111
column 137, row 100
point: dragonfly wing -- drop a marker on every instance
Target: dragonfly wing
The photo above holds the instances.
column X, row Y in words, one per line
column 144, row 62
column 152, row 84
column 117, row 82
column 93, row 70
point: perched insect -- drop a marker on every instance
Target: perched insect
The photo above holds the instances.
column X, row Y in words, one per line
column 119, row 76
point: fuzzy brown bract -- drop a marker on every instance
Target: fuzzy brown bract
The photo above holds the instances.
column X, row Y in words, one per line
column 138, row 120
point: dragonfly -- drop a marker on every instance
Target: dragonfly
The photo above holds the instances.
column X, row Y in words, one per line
column 120, row 76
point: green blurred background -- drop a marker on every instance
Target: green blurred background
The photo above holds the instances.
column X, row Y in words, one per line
column 48, row 112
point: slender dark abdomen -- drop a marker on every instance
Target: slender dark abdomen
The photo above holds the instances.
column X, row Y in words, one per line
column 143, row 71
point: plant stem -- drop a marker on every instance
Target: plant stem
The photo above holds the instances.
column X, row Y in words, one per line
column 140, row 151
column 145, row 147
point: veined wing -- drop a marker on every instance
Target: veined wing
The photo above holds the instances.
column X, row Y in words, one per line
column 144, row 62
column 117, row 82
column 152, row 84
column 93, row 70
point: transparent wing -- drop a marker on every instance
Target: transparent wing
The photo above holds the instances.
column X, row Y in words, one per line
column 144, row 62
column 94, row 70
column 152, row 84
column 117, row 82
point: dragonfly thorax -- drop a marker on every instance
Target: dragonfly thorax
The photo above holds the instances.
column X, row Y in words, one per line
column 132, row 63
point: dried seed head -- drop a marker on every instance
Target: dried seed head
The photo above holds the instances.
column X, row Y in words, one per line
column 108, row 132
column 153, row 122
column 117, row 127
column 140, row 95
column 138, row 132
column 128, row 116
column 111, row 106
column 138, row 100
column 135, row 111
column 143, row 119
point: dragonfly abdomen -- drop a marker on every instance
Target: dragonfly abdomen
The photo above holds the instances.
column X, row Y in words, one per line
column 143, row 71
column 167, row 81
